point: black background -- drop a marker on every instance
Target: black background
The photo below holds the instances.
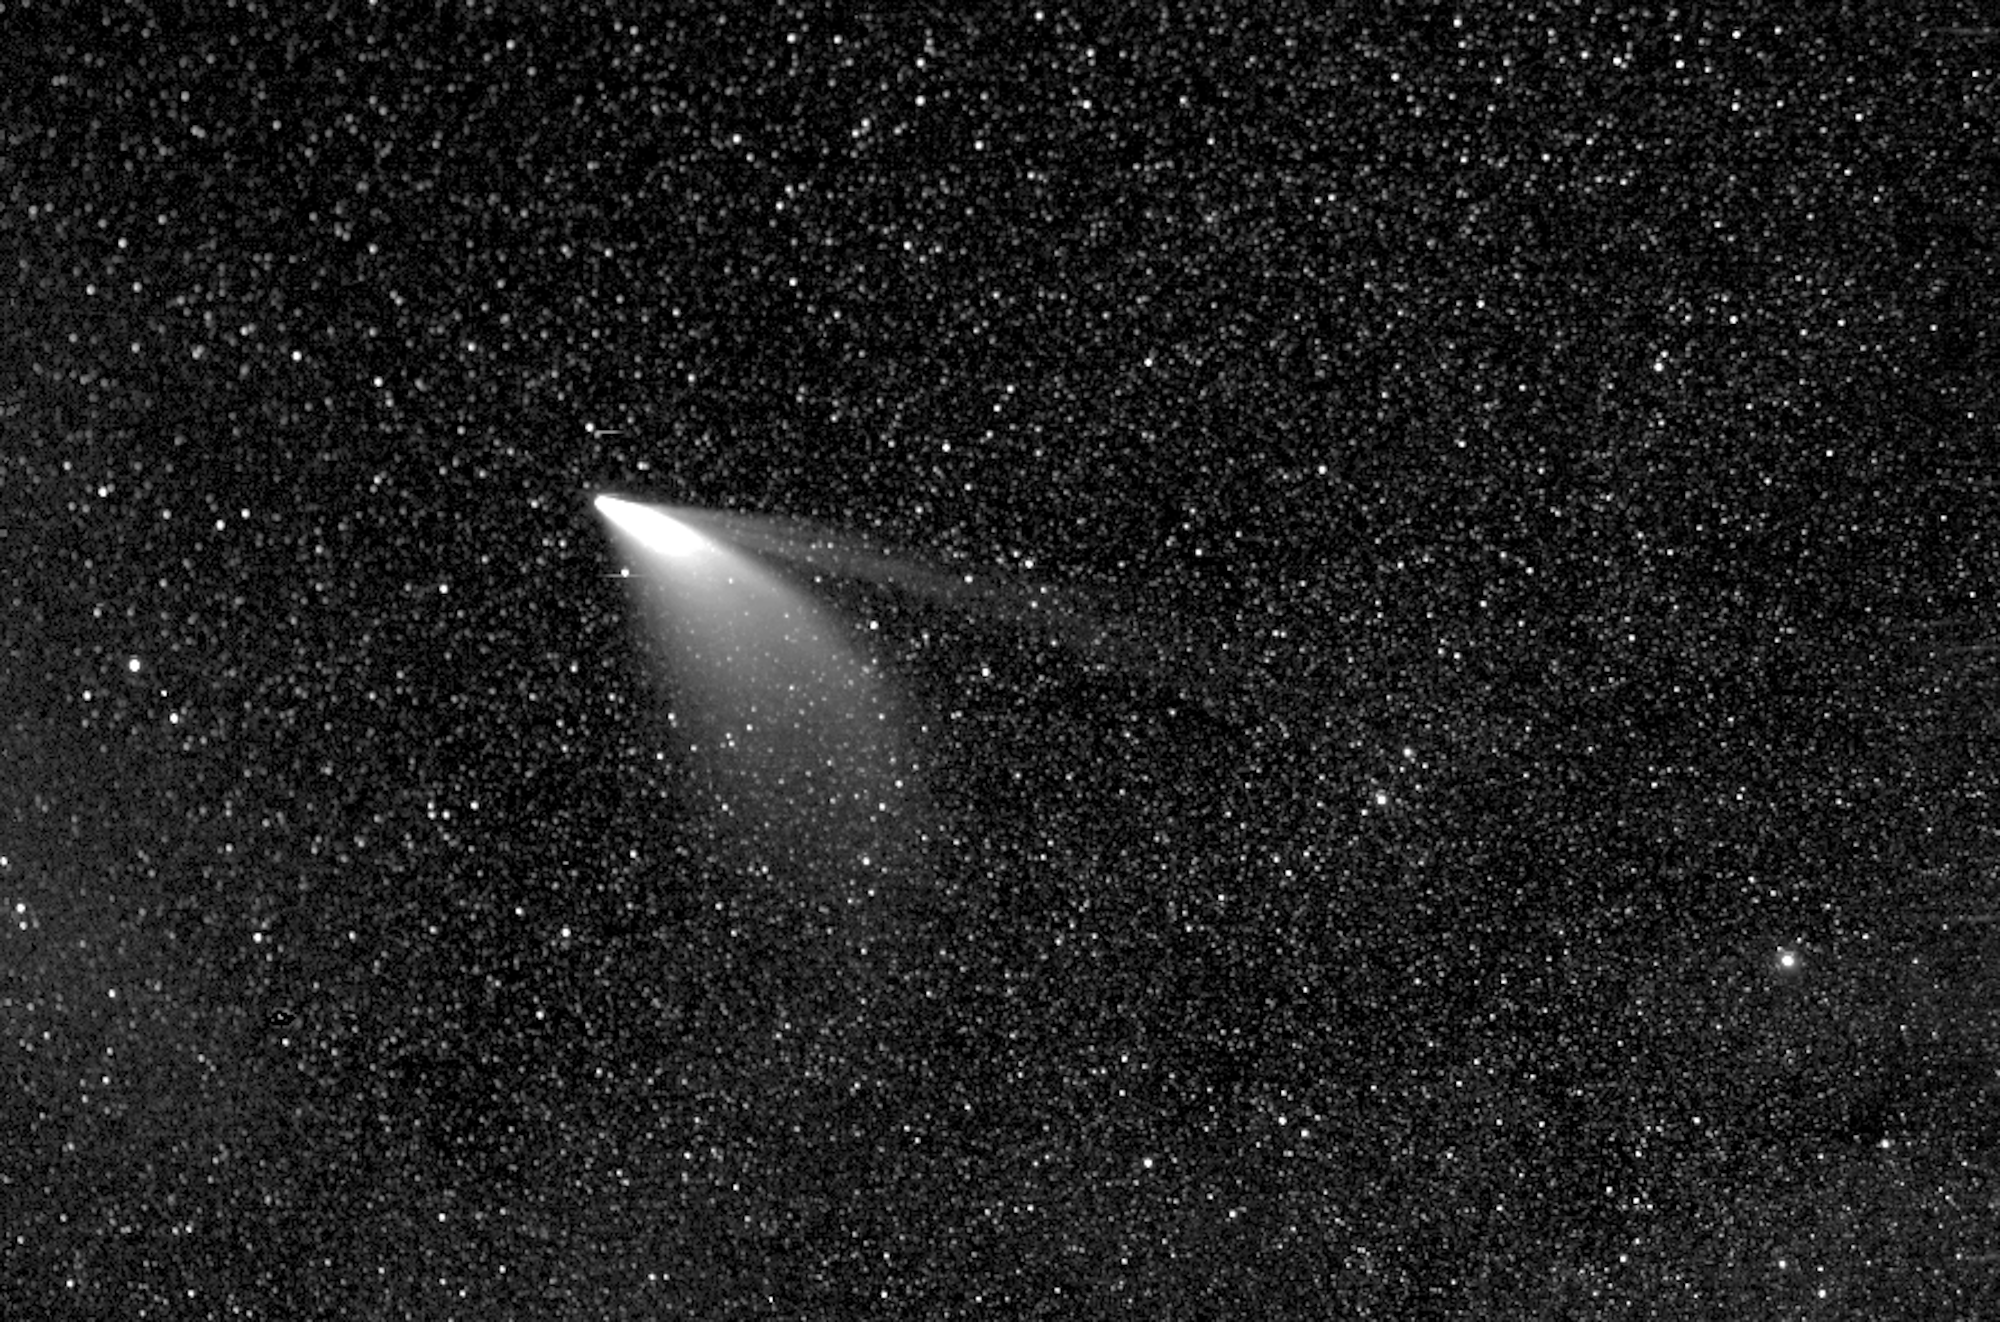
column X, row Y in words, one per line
column 1533, row 473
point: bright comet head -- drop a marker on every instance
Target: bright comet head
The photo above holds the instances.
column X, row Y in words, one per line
column 652, row 529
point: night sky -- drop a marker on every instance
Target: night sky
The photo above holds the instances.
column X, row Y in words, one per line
column 1461, row 783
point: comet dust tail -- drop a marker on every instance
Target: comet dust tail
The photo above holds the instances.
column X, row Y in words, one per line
column 790, row 739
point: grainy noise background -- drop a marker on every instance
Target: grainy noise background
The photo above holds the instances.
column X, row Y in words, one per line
column 1525, row 845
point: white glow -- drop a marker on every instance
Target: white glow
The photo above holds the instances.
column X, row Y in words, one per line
column 652, row 529
column 791, row 738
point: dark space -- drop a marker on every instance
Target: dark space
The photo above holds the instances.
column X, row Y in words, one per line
column 1460, row 781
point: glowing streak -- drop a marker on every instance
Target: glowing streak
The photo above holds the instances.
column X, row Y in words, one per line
column 652, row 529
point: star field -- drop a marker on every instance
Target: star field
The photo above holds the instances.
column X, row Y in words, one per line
column 1444, row 731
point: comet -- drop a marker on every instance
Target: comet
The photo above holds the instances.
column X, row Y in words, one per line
column 789, row 737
